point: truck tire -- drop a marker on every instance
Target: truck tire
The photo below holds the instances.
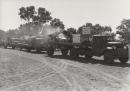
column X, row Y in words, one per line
column 20, row 48
column 64, row 52
column 88, row 56
column 74, row 53
column 123, row 60
column 108, row 57
column 50, row 52
column 28, row 49
column 5, row 46
column 38, row 50
column 13, row 47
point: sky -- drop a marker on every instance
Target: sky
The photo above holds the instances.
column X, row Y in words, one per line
column 73, row 13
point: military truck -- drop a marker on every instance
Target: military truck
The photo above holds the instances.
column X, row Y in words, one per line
column 42, row 42
column 24, row 44
column 38, row 43
column 10, row 42
column 97, row 45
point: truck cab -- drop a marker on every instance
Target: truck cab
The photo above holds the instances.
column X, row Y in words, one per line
column 103, row 45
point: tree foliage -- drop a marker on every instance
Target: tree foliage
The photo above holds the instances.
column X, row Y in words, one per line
column 95, row 29
column 42, row 16
column 71, row 31
column 12, row 33
column 57, row 23
column 34, row 19
column 27, row 13
column 124, row 29
column 31, row 15
column 24, row 29
column 2, row 34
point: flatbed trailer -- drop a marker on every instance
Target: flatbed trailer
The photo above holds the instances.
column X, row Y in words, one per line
column 99, row 45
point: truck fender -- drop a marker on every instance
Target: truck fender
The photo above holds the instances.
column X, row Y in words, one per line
column 107, row 49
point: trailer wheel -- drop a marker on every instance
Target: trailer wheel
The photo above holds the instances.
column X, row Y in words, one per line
column 88, row 56
column 64, row 52
column 20, row 48
column 38, row 50
column 28, row 49
column 5, row 46
column 108, row 57
column 123, row 60
column 50, row 52
column 73, row 53
column 13, row 47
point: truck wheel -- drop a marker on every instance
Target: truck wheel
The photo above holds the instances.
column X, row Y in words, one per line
column 73, row 53
column 5, row 46
column 50, row 52
column 123, row 60
column 88, row 56
column 20, row 48
column 28, row 49
column 64, row 52
column 13, row 47
column 38, row 50
column 108, row 57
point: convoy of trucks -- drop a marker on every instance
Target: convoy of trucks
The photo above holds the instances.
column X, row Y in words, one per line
column 38, row 43
column 98, row 45
column 78, row 44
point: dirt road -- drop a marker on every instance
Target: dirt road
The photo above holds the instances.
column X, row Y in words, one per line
column 23, row 71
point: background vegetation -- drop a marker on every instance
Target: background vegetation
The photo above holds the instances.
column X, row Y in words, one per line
column 37, row 20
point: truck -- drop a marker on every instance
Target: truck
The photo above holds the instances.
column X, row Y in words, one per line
column 38, row 43
column 10, row 42
column 89, row 46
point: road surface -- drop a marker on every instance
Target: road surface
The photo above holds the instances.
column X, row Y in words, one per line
column 24, row 71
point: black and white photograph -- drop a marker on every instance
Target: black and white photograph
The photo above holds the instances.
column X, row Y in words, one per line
column 64, row 45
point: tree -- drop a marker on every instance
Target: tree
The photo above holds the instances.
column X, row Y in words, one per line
column 89, row 25
column 57, row 23
column 71, row 31
column 2, row 34
column 42, row 16
column 124, row 29
column 11, row 33
column 80, row 29
column 95, row 29
column 27, row 13
column 34, row 20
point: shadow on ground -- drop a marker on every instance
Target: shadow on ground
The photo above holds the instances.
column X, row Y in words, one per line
column 92, row 61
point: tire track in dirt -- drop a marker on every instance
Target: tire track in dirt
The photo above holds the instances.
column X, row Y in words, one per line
column 72, row 79
column 106, row 76
column 114, row 81
column 57, row 69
